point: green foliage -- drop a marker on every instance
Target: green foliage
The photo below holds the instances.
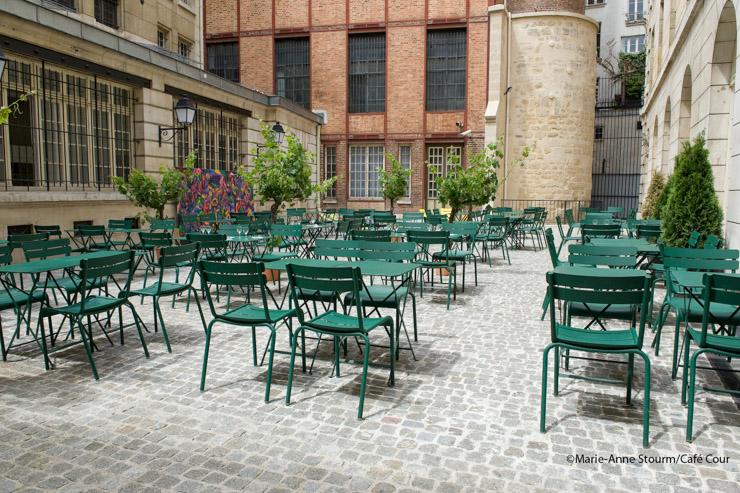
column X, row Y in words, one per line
column 14, row 107
column 693, row 203
column 665, row 194
column 394, row 182
column 476, row 185
column 282, row 175
column 145, row 191
column 632, row 72
column 657, row 185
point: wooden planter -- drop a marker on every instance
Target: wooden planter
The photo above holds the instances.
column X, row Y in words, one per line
column 272, row 275
column 441, row 271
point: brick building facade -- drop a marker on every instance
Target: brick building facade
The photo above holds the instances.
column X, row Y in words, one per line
column 391, row 76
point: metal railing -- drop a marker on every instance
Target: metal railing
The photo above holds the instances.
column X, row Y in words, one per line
column 553, row 207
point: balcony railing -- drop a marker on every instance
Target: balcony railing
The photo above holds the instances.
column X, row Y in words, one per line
column 634, row 18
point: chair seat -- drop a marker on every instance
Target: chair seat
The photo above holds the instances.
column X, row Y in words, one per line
column 322, row 296
column 459, row 255
column 15, row 297
column 165, row 289
column 381, row 296
column 249, row 314
column 723, row 343
column 597, row 339
column 719, row 311
column 273, row 256
column 339, row 322
column 435, row 264
column 93, row 304
column 616, row 312
column 71, row 286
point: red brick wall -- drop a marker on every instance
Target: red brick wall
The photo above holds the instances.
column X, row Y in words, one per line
column 328, row 24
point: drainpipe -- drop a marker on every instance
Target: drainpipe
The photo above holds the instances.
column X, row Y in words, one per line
column 506, row 95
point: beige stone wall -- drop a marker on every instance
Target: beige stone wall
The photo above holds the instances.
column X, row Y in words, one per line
column 691, row 90
column 550, row 104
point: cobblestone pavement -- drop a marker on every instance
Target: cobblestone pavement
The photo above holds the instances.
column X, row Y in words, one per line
column 464, row 417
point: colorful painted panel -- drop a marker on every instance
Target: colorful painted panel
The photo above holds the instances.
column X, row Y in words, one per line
column 213, row 191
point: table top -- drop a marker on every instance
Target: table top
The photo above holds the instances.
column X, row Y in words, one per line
column 56, row 263
column 643, row 246
column 598, row 272
column 368, row 267
column 245, row 238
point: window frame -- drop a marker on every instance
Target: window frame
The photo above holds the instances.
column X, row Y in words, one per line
column 222, row 70
column 292, row 79
column 332, row 192
column 442, row 166
column 366, row 172
column 438, row 97
column 102, row 7
column 359, row 82
column 627, row 42
column 407, row 197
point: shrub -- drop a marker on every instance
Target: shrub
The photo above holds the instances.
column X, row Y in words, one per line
column 394, row 182
column 657, row 185
column 692, row 204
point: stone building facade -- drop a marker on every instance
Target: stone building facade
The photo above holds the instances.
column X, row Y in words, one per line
column 101, row 95
column 690, row 90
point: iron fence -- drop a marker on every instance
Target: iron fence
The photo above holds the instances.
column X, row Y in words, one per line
column 553, row 207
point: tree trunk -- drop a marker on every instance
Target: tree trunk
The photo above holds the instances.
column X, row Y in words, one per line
column 274, row 210
column 453, row 211
column 391, row 206
column 160, row 212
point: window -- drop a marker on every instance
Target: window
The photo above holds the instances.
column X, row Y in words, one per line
column 595, row 2
column 223, row 60
column 184, row 47
column 73, row 133
column 106, row 12
column 599, row 132
column 292, row 70
column 330, row 169
column 364, row 163
column 215, row 138
column 440, row 161
column 163, row 37
column 367, row 73
column 70, row 4
column 635, row 11
column 446, row 70
column 633, row 44
column 598, row 41
column 404, row 157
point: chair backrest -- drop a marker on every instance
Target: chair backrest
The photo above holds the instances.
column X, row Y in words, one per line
column 502, row 209
column 178, row 256
column 569, row 218
column 560, row 227
column 403, row 227
column 602, row 256
column 385, row 250
column 50, row 230
column 599, row 218
column 91, row 230
column 466, row 229
column 384, row 217
column 42, row 249
column 120, row 224
column 162, row 225
column 94, row 271
column 712, row 242
column 648, row 231
column 225, row 274
column 551, row 248
column 412, row 217
column 719, row 288
column 211, row 243
column 371, row 234
column 694, row 238
column 589, row 231
column 615, row 210
column 17, row 241
column 154, row 239
column 699, row 259
column 344, row 226
column 289, row 231
column 6, row 255
column 629, row 287
column 336, row 249
column 426, row 242
column 307, row 282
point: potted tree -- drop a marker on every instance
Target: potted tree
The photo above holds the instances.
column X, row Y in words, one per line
column 394, row 182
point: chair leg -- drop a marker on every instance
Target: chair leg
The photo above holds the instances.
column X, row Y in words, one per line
column 646, row 402
column 273, row 336
column 363, row 382
column 205, row 356
column 2, row 342
column 686, row 355
column 692, row 390
column 630, row 374
column 254, row 346
column 413, row 312
column 139, row 323
column 674, row 368
column 556, row 373
column 88, row 351
column 158, row 314
column 291, row 367
column 543, row 398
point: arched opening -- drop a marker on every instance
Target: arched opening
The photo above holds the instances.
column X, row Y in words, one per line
column 666, row 166
column 684, row 117
column 722, row 92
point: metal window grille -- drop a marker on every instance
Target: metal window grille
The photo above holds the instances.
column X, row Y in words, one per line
column 404, row 157
column 367, row 73
column 70, row 4
column 330, row 169
column 292, row 69
column 106, row 12
column 184, row 48
column 446, row 74
column 215, row 138
column 223, row 60
column 364, row 163
column 75, row 133
column 440, row 160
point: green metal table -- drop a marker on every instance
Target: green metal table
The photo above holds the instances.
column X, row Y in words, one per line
column 646, row 251
column 36, row 269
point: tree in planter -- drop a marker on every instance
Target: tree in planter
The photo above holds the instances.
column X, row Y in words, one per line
column 665, row 194
column 693, row 204
column 476, row 185
column 282, row 175
column 145, row 191
column 657, row 185
column 395, row 181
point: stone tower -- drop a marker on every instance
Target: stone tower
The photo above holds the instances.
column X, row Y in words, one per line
column 541, row 93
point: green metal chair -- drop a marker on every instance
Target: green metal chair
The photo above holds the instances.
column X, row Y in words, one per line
column 17, row 241
column 164, row 225
column 556, row 262
column 693, row 241
column 119, row 224
column 570, row 219
column 463, row 237
column 371, row 234
column 630, row 288
column 383, row 219
column 90, row 304
column 722, row 290
column 12, row 298
column 171, row 258
column 565, row 237
column 93, row 237
column 713, row 242
column 494, row 234
column 412, row 217
column 149, row 244
column 304, row 280
column 603, row 256
column 428, row 243
column 51, row 231
column 650, row 232
column 286, row 240
column 688, row 309
column 213, row 246
column 589, row 231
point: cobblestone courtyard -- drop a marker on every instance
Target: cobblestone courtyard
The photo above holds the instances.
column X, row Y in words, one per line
column 462, row 417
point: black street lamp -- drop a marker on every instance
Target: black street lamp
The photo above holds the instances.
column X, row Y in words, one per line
column 185, row 114
column 279, row 134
